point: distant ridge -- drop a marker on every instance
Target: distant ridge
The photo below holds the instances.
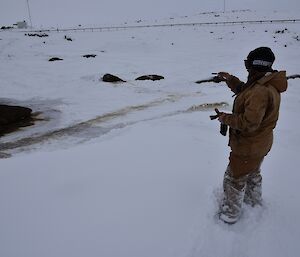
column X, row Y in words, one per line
column 107, row 28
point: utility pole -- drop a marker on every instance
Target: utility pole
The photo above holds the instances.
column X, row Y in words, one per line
column 29, row 13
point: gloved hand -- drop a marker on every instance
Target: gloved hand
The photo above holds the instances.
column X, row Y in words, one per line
column 220, row 116
column 224, row 75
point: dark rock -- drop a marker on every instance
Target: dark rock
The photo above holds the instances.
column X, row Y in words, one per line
column 8, row 27
column 55, row 59
column 9, row 113
column 68, row 38
column 150, row 77
column 111, row 78
column 89, row 55
column 36, row 35
column 14, row 117
column 215, row 79
column 295, row 76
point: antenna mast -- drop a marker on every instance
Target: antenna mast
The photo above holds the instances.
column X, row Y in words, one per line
column 29, row 14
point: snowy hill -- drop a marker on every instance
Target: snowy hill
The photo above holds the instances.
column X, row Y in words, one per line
column 135, row 169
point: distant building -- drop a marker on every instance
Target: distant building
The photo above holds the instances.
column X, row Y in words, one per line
column 21, row 25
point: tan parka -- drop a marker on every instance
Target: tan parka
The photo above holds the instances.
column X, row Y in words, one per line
column 255, row 114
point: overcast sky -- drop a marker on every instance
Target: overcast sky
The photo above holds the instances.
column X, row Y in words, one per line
column 73, row 12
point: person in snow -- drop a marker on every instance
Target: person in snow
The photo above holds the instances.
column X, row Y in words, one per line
column 254, row 116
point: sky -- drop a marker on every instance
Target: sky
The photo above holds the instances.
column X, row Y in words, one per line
column 60, row 13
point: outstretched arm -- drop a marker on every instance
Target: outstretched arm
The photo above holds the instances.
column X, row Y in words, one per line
column 232, row 82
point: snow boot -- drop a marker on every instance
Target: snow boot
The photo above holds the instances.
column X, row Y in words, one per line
column 234, row 191
column 253, row 189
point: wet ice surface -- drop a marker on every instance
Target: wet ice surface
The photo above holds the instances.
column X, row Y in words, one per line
column 95, row 127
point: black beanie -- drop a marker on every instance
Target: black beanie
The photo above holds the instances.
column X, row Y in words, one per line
column 261, row 59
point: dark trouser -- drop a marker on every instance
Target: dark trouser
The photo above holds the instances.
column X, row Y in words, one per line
column 241, row 166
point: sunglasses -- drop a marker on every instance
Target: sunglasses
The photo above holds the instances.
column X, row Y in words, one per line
column 247, row 64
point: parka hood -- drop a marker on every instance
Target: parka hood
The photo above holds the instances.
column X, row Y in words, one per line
column 275, row 79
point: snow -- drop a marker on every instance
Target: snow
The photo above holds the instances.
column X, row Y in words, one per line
column 136, row 169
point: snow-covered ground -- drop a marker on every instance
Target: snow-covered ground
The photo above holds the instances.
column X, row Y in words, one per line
column 135, row 169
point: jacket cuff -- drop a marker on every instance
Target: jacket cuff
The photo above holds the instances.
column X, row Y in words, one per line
column 234, row 83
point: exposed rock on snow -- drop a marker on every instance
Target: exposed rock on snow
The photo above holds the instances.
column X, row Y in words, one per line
column 68, row 38
column 111, row 78
column 150, row 77
column 14, row 117
column 55, row 59
column 89, row 55
column 281, row 31
column 295, row 76
column 36, row 35
column 215, row 79
column 6, row 27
